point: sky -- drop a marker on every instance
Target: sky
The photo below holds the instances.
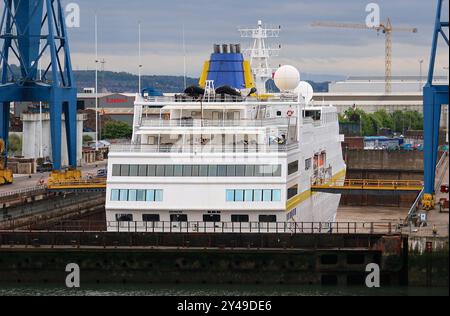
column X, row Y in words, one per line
column 312, row 50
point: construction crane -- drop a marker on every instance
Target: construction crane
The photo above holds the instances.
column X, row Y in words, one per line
column 386, row 29
column 6, row 175
column 29, row 30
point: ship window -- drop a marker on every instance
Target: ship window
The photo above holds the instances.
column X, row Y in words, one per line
column 187, row 171
column 292, row 192
column 240, row 171
column 124, row 170
column 308, row 164
column 211, row 218
column 158, row 195
column 123, row 195
column 230, row 195
column 258, row 196
column 115, row 195
column 195, row 171
column 293, row 167
column 169, row 171
column 178, row 171
column 150, row 196
column 142, row 170
column 178, row 218
column 267, row 195
column 267, row 218
column 240, row 218
column 259, row 171
column 231, row 171
column 160, row 170
column 279, row 113
column 134, row 170
column 239, row 196
column 222, row 171
column 141, row 195
column 116, row 171
column 213, row 170
column 248, row 195
column 151, row 218
column 250, row 171
column 132, row 195
column 276, row 171
column 276, row 196
column 268, row 171
column 151, row 170
column 203, row 171
column 124, row 217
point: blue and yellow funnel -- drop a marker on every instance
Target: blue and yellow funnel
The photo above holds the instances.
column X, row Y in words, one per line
column 227, row 67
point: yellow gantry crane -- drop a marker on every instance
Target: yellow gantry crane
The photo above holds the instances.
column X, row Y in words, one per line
column 6, row 175
column 386, row 29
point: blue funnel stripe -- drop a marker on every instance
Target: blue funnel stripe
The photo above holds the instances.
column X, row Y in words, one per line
column 227, row 70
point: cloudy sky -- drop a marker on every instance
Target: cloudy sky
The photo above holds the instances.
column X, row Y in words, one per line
column 312, row 50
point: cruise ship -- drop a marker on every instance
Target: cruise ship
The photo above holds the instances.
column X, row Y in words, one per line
column 226, row 156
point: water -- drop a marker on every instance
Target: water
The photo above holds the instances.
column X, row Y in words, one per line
column 218, row 290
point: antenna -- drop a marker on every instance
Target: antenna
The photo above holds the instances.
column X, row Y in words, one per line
column 140, row 60
column 184, row 57
column 96, row 83
column 260, row 53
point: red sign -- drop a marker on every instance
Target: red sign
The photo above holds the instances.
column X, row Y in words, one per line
column 116, row 100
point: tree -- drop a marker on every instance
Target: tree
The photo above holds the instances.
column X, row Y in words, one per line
column 87, row 139
column 116, row 130
column 15, row 144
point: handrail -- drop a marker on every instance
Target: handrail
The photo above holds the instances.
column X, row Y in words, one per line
column 369, row 183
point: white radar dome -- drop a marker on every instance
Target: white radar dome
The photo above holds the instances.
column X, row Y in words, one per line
column 305, row 90
column 287, row 78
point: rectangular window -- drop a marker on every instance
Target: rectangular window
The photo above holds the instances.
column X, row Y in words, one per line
column 151, row 218
column 116, row 171
column 124, row 217
column 293, row 167
column 187, row 171
column 231, row 171
column 292, row 192
column 211, row 218
column 276, row 196
column 168, row 172
column 259, row 171
column 195, row 171
column 277, row 171
column 142, row 170
column 178, row 171
column 160, row 170
column 308, row 164
column 150, row 196
column 124, row 170
column 222, row 171
column 115, row 195
column 230, row 195
column 240, row 171
column 248, row 196
column 141, row 195
column 123, row 195
column 212, row 171
column 151, row 170
column 132, row 195
column 250, row 171
column 268, row 171
column 257, row 195
column 158, row 195
column 239, row 196
column 267, row 195
column 203, row 171
column 134, row 169
column 267, row 218
column 240, row 218
column 178, row 218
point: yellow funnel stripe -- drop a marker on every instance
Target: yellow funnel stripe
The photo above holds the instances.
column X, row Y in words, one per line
column 248, row 76
column 204, row 76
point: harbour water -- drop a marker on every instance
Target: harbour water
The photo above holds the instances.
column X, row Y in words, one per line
column 219, row 290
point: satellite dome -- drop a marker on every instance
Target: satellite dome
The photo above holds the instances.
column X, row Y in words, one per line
column 305, row 90
column 287, row 78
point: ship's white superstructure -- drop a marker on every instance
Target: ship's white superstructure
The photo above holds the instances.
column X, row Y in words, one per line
column 224, row 164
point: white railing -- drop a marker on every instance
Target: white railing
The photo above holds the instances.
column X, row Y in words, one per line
column 218, row 123
column 202, row 148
